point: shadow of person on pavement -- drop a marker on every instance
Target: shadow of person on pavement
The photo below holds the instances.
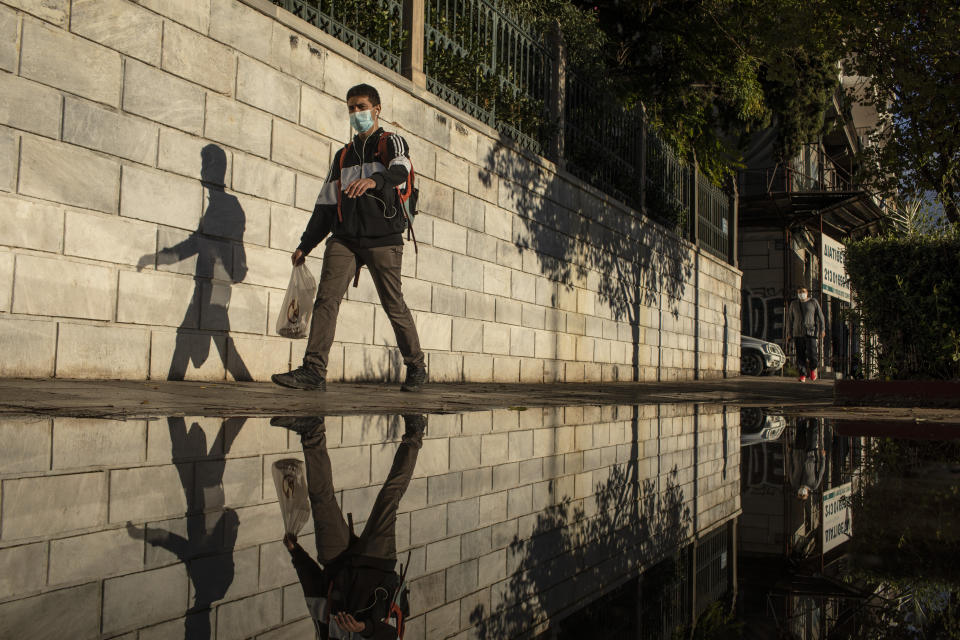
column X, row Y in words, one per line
column 220, row 263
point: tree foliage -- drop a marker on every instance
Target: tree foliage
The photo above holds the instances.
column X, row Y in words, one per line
column 712, row 72
column 907, row 53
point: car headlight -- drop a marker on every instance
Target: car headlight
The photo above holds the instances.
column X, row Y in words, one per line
column 768, row 348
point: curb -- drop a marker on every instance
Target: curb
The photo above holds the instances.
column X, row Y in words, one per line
column 897, row 393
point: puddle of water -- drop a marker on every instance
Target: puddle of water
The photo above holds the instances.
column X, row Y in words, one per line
column 630, row 521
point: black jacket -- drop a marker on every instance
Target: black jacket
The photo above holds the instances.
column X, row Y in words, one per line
column 359, row 585
column 374, row 219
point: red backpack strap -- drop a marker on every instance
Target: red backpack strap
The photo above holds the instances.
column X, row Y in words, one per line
column 343, row 155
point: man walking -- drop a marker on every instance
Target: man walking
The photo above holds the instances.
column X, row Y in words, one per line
column 351, row 594
column 358, row 206
column 806, row 325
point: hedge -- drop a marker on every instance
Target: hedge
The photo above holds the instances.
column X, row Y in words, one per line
column 907, row 290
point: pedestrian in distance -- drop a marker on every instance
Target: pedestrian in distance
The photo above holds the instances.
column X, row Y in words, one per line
column 805, row 325
column 361, row 207
column 808, row 457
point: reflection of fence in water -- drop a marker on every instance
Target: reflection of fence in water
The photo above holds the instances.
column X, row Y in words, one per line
column 714, row 555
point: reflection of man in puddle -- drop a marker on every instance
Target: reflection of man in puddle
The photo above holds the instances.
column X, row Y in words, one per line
column 809, row 459
column 350, row 596
column 218, row 268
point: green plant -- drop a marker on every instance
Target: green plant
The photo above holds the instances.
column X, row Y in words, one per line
column 379, row 22
column 908, row 295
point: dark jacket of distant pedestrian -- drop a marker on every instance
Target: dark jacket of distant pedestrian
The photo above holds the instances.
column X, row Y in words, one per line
column 805, row 325
column 809, row 457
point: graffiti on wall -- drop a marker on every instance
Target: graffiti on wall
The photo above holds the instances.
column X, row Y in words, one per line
column 763, row 313
column 762, row 470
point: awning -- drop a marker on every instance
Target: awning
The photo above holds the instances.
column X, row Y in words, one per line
column 852, row 213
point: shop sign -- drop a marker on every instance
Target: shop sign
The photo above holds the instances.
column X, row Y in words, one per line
column 836, row 516
column 835, row 281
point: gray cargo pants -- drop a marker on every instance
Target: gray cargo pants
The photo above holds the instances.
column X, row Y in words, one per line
column 339, row 267
column 333, row 535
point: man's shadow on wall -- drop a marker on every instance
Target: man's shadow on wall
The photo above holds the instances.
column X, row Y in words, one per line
column 207, row 548
column 220, row 265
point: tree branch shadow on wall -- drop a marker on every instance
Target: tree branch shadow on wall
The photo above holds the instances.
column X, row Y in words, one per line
column 219, row 265
column 575, row 549
column 211, row 528
column 574, row 232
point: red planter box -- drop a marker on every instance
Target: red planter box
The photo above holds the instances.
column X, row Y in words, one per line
column 897, row 393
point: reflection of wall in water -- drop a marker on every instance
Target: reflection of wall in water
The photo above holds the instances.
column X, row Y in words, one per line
column 610, row 528
column 762, row 521
column 535, row 506
column 771, row 510
column 72, row 486
column 665, row 599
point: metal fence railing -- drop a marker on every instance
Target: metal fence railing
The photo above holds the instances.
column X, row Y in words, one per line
column 713, row 569
column 484, row 59
column 713, row 226
column 375, row 29
column 603, row 146
column 669, row 184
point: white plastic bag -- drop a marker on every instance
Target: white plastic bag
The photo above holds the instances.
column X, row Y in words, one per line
column 290, row 478
column 294, row 318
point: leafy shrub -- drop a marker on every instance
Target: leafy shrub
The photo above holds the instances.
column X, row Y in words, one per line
column 908, row 295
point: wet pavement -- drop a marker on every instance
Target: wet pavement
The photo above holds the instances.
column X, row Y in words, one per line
column 143, row 510
column 162, row 398
column 135, row 399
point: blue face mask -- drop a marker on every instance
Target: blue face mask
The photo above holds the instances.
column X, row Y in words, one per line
column 362, row 120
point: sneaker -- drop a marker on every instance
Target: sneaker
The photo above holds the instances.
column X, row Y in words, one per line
column 415, row 423
column 300, row 378
column 299, row 424
column 803, row 378
column 416, row 377
column 813, row 374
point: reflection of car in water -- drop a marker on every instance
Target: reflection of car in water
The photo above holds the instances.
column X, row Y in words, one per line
column 759, row 357
column 759, row 425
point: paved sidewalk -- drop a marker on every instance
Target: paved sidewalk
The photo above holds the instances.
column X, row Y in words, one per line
column 139, row 399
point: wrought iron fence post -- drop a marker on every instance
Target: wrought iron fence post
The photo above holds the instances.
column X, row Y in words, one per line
column 558, row 93
column 643, row 163
column 734, row 221
column 411, row 59
column 695, row 205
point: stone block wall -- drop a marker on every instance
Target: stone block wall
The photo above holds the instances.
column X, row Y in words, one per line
column 159, row 160
column 147, row 529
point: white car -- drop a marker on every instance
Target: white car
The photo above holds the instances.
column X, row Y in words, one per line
column 759, row 357
column 760, row 426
